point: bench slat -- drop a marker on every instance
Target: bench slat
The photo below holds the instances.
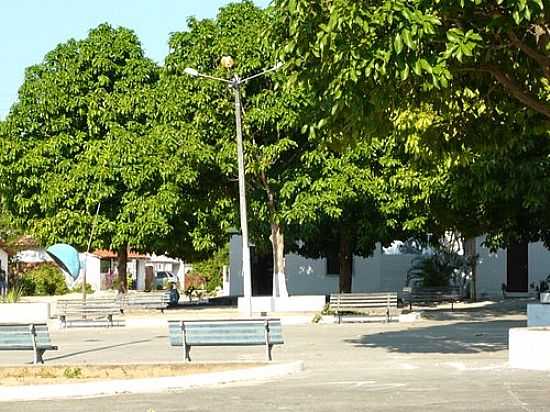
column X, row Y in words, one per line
column 20, row 337
column 224, row 333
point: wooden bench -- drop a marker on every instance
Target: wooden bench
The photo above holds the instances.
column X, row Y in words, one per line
column 93, row 312
column 232, row 332
column 342, row 303
column 152, row 300
column 25, row 336
column 431, row 295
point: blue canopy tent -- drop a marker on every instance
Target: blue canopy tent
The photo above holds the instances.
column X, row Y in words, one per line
column 66, row 257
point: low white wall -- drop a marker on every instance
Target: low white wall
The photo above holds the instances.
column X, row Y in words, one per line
column 310, row 303
column 528, row 348
column 24, row 312
column 538, row 314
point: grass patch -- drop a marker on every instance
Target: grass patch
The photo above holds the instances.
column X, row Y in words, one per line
column 29, row 375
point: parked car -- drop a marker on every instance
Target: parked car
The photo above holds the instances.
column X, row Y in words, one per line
column 167, row 280
column 163, row 280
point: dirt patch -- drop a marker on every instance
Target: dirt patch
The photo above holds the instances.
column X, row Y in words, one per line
column 30, row 375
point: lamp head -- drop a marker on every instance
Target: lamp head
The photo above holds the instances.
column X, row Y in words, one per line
column 227, row 62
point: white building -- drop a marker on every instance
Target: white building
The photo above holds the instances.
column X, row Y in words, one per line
column 387, row 271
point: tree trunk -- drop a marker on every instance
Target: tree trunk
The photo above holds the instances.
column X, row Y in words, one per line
column 470, row 252
column 122, row 264
column 278, row 244
column 345, row 264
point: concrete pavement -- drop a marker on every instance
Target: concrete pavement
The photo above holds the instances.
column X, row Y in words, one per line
column 449, row 362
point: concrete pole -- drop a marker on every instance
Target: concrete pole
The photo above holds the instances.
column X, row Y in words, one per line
column 247, row 275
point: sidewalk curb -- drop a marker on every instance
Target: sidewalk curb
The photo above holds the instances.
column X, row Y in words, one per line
column 141, row 386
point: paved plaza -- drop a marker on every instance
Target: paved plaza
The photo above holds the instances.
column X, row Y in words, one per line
column 446, row 362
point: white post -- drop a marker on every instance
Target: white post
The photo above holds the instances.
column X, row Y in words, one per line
column 247, row 275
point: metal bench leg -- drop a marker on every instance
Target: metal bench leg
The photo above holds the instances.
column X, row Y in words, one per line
column 38, row 356
column 187, row 349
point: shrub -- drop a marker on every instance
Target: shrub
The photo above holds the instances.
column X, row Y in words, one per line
column 13, row 295
column 78, row 288
column 43, row 280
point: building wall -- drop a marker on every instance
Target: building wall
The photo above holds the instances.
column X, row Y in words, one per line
column 539, row 262
column 382, row 272
column 308, row 276
column 91, row 264
column 4, row 263
column 491, row 270
column 235, row 267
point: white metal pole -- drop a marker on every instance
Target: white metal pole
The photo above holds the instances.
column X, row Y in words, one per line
column 247, row 276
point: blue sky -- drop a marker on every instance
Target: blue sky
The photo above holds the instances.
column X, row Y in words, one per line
column 31, row 28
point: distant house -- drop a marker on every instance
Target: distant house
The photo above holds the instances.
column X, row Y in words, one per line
column 101, row 268
column 173, row 265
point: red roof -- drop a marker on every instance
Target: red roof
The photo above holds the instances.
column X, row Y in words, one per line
column 25, row 242
column 111, row 254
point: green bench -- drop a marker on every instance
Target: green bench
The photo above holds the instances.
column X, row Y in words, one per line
column 232, row 332
column 368, row 303
column 25, row 336
column 149, row 300
column 95, row 312
column 432, row 295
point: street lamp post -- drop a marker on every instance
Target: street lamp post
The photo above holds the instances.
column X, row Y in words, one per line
column 235, row 84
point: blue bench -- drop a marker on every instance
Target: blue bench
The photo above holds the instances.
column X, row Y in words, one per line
column 95, row 312
column 369, row 303
column 432, row 295
column 228, row 332
column 150, row 300
column 33, row 336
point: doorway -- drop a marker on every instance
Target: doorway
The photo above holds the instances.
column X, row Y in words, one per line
column 262, row 274
column 517, row 267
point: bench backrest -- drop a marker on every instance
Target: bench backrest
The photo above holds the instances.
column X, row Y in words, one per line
column 365, row 301
column 435, row 293
column 64, row 306
column 226, row 332
column 21, row 335
column 161, row 299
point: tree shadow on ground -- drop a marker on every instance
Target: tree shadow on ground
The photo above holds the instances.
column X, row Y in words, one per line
column 97, row 349
column 504, row 307
column 459, row 338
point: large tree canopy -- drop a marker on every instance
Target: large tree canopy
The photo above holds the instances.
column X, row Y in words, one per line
column 388, row 51
column 81, row 134
column 272, row 139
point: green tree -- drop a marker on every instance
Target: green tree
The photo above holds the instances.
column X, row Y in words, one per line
column 345, row 199
column 463, row 85
column 79, row 135
column 370, row 57
column 272, row 139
